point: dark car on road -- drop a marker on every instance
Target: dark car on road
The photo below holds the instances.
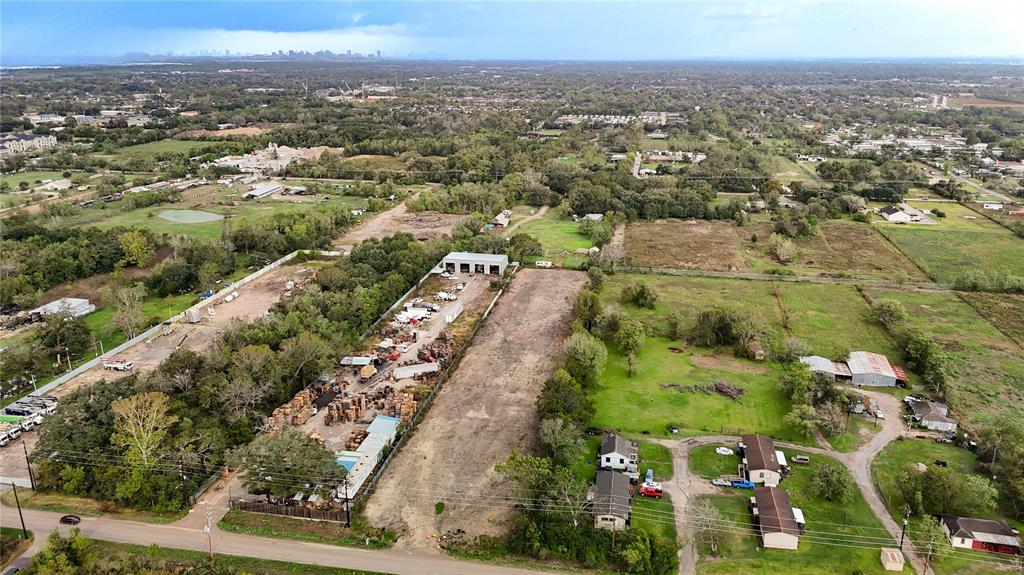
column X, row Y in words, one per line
column 70, row 520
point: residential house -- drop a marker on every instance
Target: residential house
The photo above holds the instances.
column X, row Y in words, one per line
column 611, row 500
column 932, row 415
column 617, row 453
column 760, row 461
column 500, row 221
column 982, row 534
column 777, row 522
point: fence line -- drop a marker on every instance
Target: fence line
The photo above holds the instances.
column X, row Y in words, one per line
column 294, row 511
column 783, row 278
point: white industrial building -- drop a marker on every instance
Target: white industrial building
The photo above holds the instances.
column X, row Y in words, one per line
column 360, row 463
column 262, row 190
column 872, row 369
column 471, row 263
column 75, row 306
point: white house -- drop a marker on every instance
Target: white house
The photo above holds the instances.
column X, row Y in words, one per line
column 933, row 415
column 895, row 215
column 616, row 452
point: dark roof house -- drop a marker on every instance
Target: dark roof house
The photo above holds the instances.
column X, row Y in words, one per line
column 986, row 534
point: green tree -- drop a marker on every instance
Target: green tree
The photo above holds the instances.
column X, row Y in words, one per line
column 640, row 294
column 285, row 462
column 631, row 335
column 62, row 333
column 141, row 423
column 585, row 357
column 803, row 418
column 127, row 301
column 831, row 482
column 890, row 312
column 69, row 555
column 931, row 539
column 136, row 248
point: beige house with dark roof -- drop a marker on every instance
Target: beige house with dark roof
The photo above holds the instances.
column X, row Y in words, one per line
column 760, row 462
column 777, row 522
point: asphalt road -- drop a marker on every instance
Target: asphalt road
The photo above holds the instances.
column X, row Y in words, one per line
column 383, row 561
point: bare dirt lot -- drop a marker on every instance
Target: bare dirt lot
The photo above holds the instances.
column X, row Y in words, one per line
column 982, row 103
column 484, row 411
column 254, row 300
column 422, row 225
column 246, row 131
column 683, row 244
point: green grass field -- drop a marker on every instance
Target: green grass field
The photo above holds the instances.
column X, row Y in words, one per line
column 704, row 462
column 654, row 516
column 957, row 244
column 374, row 162
column 827, row 522
column 164, row 147
column 886, row 470
column 12, row 541
column 30, row 177
column 788, row 171
column 559, row 237
column 987, row 371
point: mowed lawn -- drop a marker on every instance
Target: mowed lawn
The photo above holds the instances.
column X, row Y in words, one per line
column 149, row 219
column 559, row 237
column 28, row 177
column 164, row 147
column 960, row 242
column 887, row 468
column 987, row 370
column 825, row 548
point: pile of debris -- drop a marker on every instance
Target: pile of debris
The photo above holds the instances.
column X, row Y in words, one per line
column 438, row 351
column 718, row 386
column 295, row 412
column 345, row 409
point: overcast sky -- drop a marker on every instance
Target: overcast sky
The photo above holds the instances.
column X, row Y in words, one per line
column 40, row 32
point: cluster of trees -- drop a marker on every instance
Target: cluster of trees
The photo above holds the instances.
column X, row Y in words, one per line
column 923, row 354
column 37, row 258
column 886, row 181
column 818, row 403
column 941, row 490
column 283, row 233
column 999, row 282
column 194, row 264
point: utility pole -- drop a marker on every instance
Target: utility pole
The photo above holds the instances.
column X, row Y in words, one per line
column 209, row 529
column 24, row 532
column 906, row 521
column 348, row 512
column 181, row 472
column 28, row 464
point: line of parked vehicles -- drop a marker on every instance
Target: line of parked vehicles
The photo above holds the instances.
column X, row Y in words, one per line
column 25, row 415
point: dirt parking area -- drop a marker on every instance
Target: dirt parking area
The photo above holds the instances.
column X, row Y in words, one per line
column 484, row 411
column 254, row 300
column 422, row 226
column 12, row 455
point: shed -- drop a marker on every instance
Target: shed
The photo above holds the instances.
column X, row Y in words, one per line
column 825, row 366
column 983, row 534
column 75, row 306
column 894, row 214
column 408, row 371
column 500, row 220
column 871, row 369
column 892, row 559
column 355, row 361
column 262, row 190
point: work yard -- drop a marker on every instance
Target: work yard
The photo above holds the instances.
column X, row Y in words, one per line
column 485, row 410
column 962, row 241
column 988, row 375
column 840, row 248
column 821, row 552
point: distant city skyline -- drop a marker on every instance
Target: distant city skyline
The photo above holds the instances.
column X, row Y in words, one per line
column 37, row 33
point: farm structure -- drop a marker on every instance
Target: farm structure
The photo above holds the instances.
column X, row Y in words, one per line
column 778, row 523
column 262, row 190
column 77, row 307
column 471, row 263
column 861, row 368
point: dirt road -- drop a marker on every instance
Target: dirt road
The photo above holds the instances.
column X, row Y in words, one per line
column 484, row 411
column 536, row 215
column 422, row 226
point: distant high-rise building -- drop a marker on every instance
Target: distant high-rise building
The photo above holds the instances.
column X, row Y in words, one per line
column 378, row 53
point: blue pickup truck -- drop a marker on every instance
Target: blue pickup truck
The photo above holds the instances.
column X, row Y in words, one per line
column 742, row 484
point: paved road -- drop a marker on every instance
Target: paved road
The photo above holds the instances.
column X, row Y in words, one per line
column 178, row 537
column 982, row 189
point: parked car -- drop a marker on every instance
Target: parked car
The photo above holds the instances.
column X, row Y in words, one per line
column 724, row 451
column 742, row 484
column 650, row 491
column 70, row 520
column 879, row 414
column 721, row 482
column 802, row 459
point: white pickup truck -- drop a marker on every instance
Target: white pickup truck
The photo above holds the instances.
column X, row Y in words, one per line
column 117, row 364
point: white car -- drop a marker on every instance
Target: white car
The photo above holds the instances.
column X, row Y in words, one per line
column 724, row 451
column 721, row 482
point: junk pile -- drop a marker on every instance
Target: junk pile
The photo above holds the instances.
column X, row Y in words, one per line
column 356, row 439
column 437, row 351
column 400, row 405
column 718, row 386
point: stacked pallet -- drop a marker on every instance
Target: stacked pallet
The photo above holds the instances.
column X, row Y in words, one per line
column 356, row 439
column 345, row 409
column 296, row 412
column 401, row 405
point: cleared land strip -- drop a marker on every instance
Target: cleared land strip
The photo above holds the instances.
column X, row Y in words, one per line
column 785, row 278
column 484, row 411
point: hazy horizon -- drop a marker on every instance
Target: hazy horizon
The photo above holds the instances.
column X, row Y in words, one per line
column 55, row 33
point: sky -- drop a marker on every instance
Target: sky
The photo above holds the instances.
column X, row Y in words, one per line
column 65, row 32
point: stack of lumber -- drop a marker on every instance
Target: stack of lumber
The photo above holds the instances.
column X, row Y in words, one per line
column 401, row 405
column 296, row 412
column 345, row 409
column 356, row 439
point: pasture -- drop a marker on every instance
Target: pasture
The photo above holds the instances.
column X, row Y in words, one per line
column 987, row 373
column 31, row 178
column 559, row 237
column 164, row 147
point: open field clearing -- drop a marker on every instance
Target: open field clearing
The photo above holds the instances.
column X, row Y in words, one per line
column 374, row 162
column 827, row 521
column 963, row 240
column 988, row 374
column 559, row 237
column 228, row 133
column 254, row 300
column 484, row 411
column 422, row 226
column 28, row 177
column 163, row 147
column 840, row 248
column 983, row 103
column 1004, row 311
column 787, row 171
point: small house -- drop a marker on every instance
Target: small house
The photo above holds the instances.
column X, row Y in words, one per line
column 982, row 534
column 992, row 206
column 760, row 461
column 933, row 415
column 616, row 452
column 778, row 523
column 611, row 500
column 500, row 221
